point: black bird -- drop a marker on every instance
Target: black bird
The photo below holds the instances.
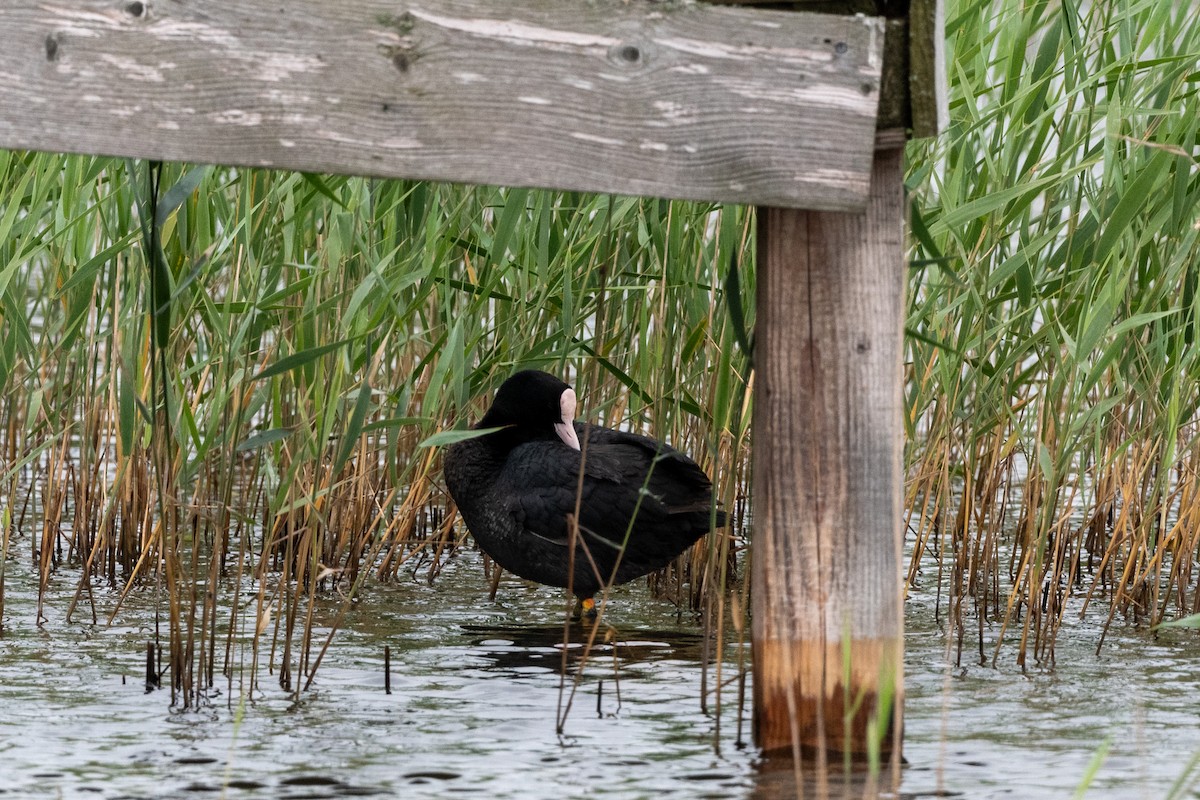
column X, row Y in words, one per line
column 640, row 505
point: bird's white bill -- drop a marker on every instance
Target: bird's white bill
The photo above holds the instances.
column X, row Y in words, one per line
column 566, row 428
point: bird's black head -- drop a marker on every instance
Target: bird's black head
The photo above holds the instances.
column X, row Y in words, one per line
column 535, row 405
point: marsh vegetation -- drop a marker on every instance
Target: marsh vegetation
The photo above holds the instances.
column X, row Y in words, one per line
column 233, row 433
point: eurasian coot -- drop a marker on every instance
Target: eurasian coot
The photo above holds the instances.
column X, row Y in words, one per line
column 640, row 505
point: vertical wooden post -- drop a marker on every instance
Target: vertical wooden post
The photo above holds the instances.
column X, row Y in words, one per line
column 828, row 609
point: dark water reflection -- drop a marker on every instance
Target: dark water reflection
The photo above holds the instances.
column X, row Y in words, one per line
column 476, row 691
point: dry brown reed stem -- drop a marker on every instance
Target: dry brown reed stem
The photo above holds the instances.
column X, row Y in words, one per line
column 53, row 507
column 445, row 543
column 922, row 500
column 208, row 632
column 345, row 607
column 1120, row 518
column 236, row 615
column 565, row 707
column 1158, row 552
column 712, row 590
column 160, row 512
column 310, row 550
column 403, row 544
column 5, row 536
column 1122, row 543
column 1183, row 540
column 574, row 542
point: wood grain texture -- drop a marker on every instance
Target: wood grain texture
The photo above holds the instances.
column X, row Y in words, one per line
column 627, row 96
column 895, row 101
column 827, row 469
column 927, row 67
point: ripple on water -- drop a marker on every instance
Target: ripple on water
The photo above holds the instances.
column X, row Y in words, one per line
column 476, row 695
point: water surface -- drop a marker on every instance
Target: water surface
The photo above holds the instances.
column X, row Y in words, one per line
column 476, row 693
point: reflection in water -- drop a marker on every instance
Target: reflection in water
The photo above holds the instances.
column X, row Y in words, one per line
column 473, row 710
column 476, row 695
column 776, row 779
column 516, row 647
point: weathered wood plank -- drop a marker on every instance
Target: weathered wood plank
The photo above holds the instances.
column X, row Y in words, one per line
column 895, row 100
column 827, row 472
column 927, row 71
column 624, row 96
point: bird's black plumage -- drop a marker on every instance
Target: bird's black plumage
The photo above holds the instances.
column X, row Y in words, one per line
column 640, row 505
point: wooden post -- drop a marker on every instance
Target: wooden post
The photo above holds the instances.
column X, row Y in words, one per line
column 828, row 610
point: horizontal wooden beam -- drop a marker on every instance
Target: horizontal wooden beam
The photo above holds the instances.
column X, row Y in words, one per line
column 624, row 96
column 914, row 93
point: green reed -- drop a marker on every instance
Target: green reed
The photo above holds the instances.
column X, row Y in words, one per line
column 1052, row 382
column 252, row 404
column 238, row 426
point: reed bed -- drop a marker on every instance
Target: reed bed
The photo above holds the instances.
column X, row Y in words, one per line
column 218, row 382
column 1052, row 378
column 238, row 424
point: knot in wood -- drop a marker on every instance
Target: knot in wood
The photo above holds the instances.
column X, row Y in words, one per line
column 626, row 54
column 135, row 9
column 402, row 56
